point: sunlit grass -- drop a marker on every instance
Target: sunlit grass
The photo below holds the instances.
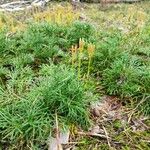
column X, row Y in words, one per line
column 59, row 15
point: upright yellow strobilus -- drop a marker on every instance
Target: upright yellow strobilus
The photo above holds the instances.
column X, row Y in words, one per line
column 81, row 47
column 73, row 53
column 90, row 49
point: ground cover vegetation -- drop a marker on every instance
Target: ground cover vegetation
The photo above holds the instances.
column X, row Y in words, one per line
column 51, row 64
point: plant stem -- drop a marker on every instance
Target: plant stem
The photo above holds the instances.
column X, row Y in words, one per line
column 79, row 66
column 89, row 66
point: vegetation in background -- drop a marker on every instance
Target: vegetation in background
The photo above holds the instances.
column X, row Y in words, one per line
column 59, row 15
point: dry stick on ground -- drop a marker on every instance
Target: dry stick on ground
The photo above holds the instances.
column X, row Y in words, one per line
column 93, row 134
column 120, row 1
column 133, row 111
column 106, row 133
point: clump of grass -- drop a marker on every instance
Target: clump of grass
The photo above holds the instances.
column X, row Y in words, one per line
column 69, row 96
column 81, row 30
column 41, row 42
column 47, row 40
column 123, row 76
column 108, row 48
column 127, row 77
column 30, row 118
column 122, row 66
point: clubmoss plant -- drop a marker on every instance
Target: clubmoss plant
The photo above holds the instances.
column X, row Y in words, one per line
column 80, row 49
column 90, row 49
column 73, row 54
column 83, row 49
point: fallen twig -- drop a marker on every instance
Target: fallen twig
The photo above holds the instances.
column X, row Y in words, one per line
column 106, row 133
column 133, row 111
column 93, row 134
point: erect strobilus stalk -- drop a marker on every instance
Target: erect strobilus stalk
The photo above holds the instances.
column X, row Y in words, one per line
column 73, row 53
column 81, row 47
column 90, row 49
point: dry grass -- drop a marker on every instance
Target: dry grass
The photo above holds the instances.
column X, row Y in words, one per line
column 58, row 14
